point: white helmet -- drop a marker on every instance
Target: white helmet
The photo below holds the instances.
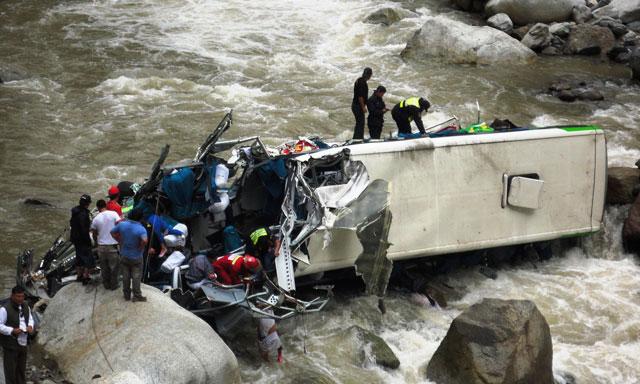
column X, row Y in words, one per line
column 173, row 241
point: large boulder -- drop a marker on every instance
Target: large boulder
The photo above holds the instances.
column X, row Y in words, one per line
column 622, row 184
column 495, row 341
column 538, row 37
column 459, row 43
column 91, row 332
column 586, row 39
column 533, row 11
column 631, row 228
column 627, row 11
column 387, row 16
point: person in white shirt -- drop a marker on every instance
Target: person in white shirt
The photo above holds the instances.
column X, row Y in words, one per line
column 268, row 339
column 101, row 227
column 16, row 323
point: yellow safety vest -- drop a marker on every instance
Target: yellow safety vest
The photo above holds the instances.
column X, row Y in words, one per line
column 414, row 101
column 257, row 234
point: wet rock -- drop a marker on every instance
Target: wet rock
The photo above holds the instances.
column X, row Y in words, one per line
column 589, row 95
column 565, row 378
column 567, row 95
column 560, row 29
column 502, row 22
column 581, row 14
column 90, row 331
column 470, row 5
column 380, row 351
column 622, row 183
column 388, row 16
column 362, row 345
column 630, row 39
column 619, row 54
column 459, row 43
column 524, row 12
column 37, row 202
column 631, row 228
column 634, row 26
column 304, row 375
column 551, row 51
column 627, row 11
column 586, row 39
column 615, row 26
column 538, row 37
column 520, row 32
column 634, row 63
column 495, row 341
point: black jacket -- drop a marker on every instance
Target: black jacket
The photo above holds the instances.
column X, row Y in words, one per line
column 80, row 226
column 408, row 113
column 376, row 108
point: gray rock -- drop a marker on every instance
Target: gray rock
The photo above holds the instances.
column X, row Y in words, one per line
column 551, row 51
column 92, row 332
column 520, row 32
column 501, row 21
column 626, row 11
column 619, row 54
column 581, row 14
column 470, row 5
column 524, row 12
column 459, row 43
column 586, row 39
column 631, row 228
column 630, row 39
column 634, row 63
column 359, row 345
column 36, row 201
column 538, row 37
column 591, row 3
column 622, row 182
column 557, row 43
column 388, row 16
column 615, row 26
column 589, row 95
column 495, row 341
column 560, row 29
column 634, row 26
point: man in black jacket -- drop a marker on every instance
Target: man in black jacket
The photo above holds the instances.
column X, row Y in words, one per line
column 409, row 110
column 80, row 237
column 359, row 103
column 16, row 323
column 377, row 109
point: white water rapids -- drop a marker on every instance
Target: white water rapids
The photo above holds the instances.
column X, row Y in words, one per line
column 107, row 83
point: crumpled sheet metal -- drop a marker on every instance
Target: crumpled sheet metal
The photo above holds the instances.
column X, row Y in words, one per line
column 338, row 196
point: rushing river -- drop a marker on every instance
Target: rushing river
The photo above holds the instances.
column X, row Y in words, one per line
column 93, row 89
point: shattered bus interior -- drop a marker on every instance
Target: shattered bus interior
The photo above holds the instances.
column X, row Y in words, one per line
column 304, row 192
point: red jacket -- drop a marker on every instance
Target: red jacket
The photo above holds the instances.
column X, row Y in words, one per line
column 230, row 269
column 112, row 205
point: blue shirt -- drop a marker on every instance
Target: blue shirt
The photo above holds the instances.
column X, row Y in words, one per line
column 131, row 232
column 160, row 227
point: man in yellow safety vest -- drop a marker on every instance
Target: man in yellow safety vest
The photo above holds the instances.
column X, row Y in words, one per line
column 409, row 110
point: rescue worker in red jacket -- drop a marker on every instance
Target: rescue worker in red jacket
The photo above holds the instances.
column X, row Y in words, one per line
column 232, row 268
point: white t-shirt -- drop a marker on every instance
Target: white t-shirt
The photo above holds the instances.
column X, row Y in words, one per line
column 103, row 223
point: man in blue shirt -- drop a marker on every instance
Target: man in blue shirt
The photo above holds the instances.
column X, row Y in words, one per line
column 132, row 237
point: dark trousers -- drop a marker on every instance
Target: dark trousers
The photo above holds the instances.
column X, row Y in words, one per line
column 402, row 121
column 375, row 129
column 131, row 275
column 358, row 130
column 109, row 265
column 15, row 365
